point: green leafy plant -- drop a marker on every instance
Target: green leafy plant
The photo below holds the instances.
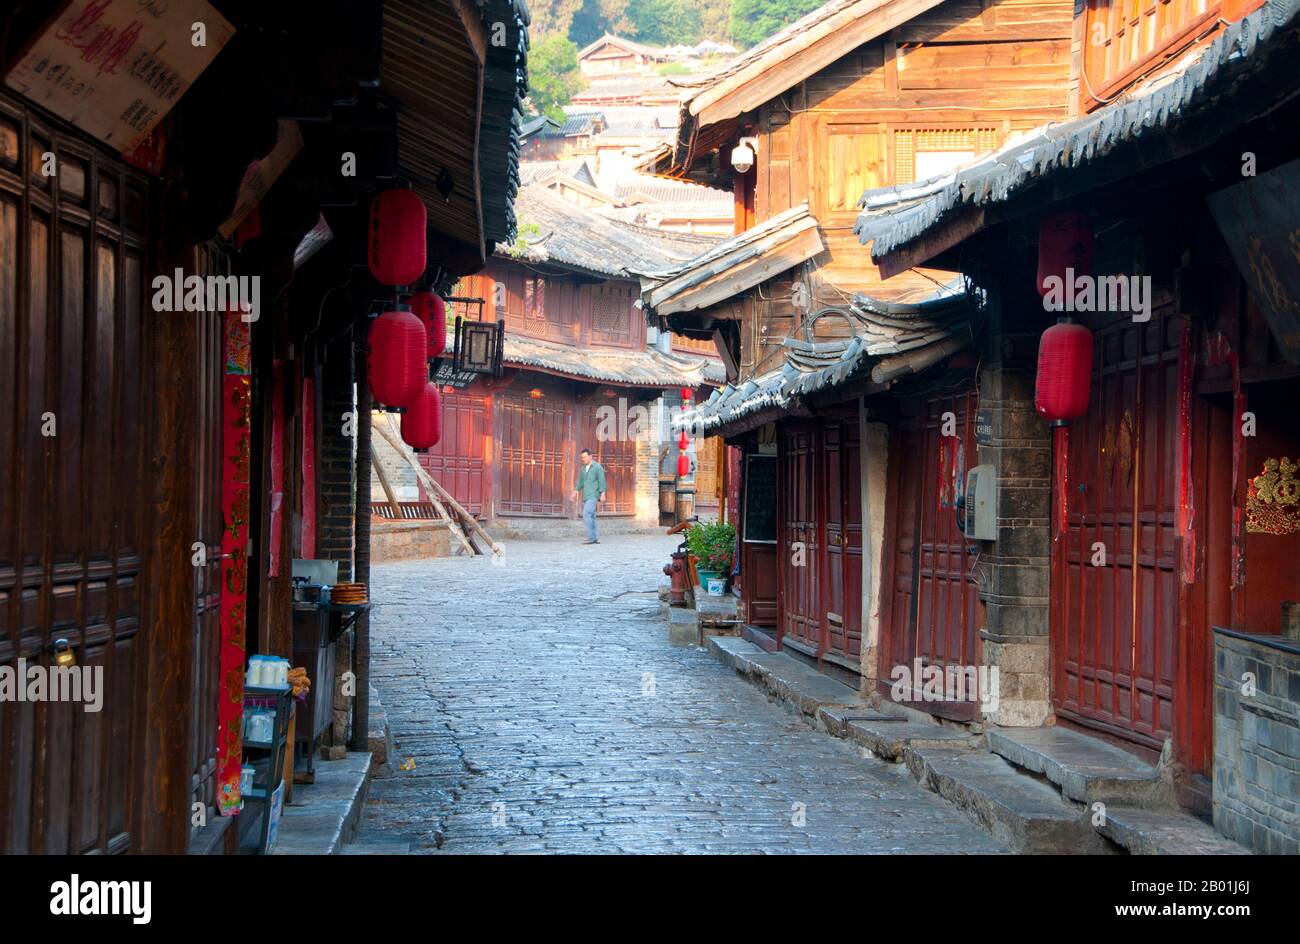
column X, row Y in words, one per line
column 714, row 545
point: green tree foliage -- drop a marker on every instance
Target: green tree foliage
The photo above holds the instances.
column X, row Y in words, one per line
column 665, row 22
column 553, row 75
column 754, row 20
column 594, row 18
column 552, row 16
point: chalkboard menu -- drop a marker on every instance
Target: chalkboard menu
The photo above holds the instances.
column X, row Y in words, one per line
column 760, row 499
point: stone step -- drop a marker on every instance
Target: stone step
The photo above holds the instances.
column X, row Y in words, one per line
column 796, row 683
column 891, row 737
column 377, row 847
column 325, row 814
column 836, row 718
column 1164, row 832
column 1086, row 769
column 1025, row 814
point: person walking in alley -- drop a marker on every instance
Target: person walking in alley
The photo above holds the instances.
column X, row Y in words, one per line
column 590, row 489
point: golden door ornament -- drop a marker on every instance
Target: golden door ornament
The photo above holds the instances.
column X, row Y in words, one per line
column 1273, row 498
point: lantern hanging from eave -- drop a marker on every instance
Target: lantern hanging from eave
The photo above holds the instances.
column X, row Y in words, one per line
column 422, row 422
column 1064, row 379
column 1065, row 242
column 686, row 393
column 397, row 237
column 682, row 441
column 683, row 465
column 398, row 358
column 432, row 311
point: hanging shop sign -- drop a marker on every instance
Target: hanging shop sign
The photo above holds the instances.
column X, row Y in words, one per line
column 115, row 68
column 1260, row 220
column 236, row 414
column 262, row 173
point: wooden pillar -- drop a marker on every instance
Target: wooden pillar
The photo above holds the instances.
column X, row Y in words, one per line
column 361, row 554
column 161, row 793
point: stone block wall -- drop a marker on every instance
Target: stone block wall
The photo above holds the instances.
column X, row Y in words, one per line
column 1016, row 568
column 1257, row 741
column 397, row 470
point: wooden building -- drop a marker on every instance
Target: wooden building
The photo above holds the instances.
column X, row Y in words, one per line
column 580, row 372
column 164, row 463
column 1146, row 552
column 856, row 94
column 615, row 56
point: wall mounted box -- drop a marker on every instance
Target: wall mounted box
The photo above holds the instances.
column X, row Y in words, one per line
column 981, row 504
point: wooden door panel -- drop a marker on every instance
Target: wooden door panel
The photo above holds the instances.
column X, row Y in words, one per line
column 932, row 612
column 459, row 461
column 72, row 313
column 799, row 497
column 1114, row 627
column 534, row 441
column 617, row 456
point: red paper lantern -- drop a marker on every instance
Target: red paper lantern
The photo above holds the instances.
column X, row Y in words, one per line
column 397, row 237
column 683, row 465
column 682, row 441
column 686, row 393
column 1065, row 241
column 398, row 358
column 1064, row 372
column 432, row 310
column 422, row 422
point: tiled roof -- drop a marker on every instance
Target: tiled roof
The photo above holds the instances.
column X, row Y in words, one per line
column 732, row 265
column 648, row 368
column 578, row 238
column 888, row 341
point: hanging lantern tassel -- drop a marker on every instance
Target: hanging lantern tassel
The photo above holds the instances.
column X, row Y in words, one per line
column 398, row 358
column 1064, row 379
column 432, row 312
column 422, row 423
column 397, row 237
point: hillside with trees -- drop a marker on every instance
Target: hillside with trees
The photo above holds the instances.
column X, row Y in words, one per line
column 666, row 22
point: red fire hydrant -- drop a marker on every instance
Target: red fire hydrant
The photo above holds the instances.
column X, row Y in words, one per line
column 677, row 570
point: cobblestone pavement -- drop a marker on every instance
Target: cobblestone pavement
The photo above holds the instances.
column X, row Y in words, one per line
column 545, row 711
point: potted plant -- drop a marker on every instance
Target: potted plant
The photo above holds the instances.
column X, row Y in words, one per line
column 713, row 545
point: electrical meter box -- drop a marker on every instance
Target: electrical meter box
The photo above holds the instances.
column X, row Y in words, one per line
column 981, row 504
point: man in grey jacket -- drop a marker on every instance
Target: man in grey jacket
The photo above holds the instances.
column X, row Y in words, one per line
column 590, row 488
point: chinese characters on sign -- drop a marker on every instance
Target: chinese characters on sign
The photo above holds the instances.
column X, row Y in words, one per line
column 115, row 68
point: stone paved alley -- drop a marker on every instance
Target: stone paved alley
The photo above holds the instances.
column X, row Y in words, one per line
column 517, row 690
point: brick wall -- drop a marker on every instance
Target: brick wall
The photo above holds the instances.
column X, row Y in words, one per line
column 1257, row 742
column 335, row 521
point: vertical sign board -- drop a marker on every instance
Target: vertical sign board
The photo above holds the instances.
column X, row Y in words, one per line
column 1260, row 220
column 115, row 68
column 760, row 499
column 236, row 413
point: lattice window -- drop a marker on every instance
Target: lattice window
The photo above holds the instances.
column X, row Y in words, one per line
column 534, row 299
column 920, row 153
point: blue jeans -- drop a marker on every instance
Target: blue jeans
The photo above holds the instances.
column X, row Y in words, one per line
column 589, row 516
